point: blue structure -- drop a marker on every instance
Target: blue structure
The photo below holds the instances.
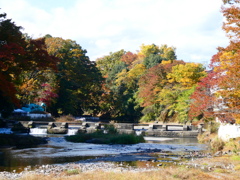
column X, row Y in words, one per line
column 32, row 108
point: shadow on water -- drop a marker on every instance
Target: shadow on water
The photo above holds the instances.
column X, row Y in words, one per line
column 8, row 162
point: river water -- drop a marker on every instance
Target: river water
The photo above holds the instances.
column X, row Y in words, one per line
column 59, row 151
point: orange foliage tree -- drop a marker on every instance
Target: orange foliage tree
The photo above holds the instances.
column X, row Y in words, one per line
column 225, row 77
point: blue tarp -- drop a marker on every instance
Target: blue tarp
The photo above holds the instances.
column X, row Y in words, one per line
column 32, row 108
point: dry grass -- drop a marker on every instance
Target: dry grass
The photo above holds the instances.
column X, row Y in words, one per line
column 65, row 118
column 170, row 173
column 217, row 144
column 232, row 145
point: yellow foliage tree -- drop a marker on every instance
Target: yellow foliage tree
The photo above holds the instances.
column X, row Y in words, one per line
column 186, row 74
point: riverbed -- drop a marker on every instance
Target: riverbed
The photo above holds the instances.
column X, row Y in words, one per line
column 59, row 151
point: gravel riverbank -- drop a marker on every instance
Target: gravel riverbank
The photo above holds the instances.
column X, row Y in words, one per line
column 69, row 169
column 214, row 164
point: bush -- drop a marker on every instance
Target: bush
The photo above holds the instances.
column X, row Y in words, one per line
column 100, row 138
column 20, row 141
column 217, row 144
column 126, row 139
column 213, row 127
column 65, row 118
column 233, row 145
column 110, row 128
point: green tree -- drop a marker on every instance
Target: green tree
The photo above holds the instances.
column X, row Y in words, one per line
column 79, row 79
column 152, row 60
column 164, row 91
column 107, row 63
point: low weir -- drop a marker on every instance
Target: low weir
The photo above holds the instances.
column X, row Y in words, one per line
column 152, row 130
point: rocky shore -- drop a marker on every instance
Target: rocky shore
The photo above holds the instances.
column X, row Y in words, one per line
column 70, row 169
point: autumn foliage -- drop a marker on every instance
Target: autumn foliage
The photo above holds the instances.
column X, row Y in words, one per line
column 19, row 56
column 218, row 95
column 147, row 85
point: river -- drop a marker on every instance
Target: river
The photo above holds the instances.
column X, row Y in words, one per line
column 59, row 151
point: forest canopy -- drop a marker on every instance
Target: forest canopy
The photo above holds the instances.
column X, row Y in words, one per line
column 150, row 84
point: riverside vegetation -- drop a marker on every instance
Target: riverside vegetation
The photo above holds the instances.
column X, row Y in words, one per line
column 109, row 136
column 20, row 141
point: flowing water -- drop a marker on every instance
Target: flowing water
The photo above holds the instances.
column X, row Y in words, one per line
column 59, row 151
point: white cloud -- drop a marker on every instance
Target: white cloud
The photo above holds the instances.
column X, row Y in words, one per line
column 103, row 26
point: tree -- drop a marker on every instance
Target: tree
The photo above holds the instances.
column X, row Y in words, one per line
column 164, row 91
column 40, row 69
column 187, row 74
column 79, row 79
column 168, row 53
column 147, row 50
column 223, row 81
column 151, row 84
column 202, row 99
column 128, row 58
column 106, row 64
column 12, row 46
column 152, row 60
column 232, row 24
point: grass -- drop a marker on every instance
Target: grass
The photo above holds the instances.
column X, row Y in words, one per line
column 233, row 145
column 111, row 137
column 217, row 144
column 72, row 172
column 101, row 138
column 171, row 173
column 235, row 158
column 65, row 118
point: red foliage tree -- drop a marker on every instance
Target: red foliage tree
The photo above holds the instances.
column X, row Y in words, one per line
column 129, row 57
column 221, row 88
column 153, row 81
column 17, row 54
column 11, row 51
column 202, row 99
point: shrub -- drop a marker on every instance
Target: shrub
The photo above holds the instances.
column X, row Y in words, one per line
column 126, row 139
column 233, row 145
column 100, row 138
column 20, row 141
column 65, row 118
column 72, row 172
column 110, row 128
column 217, row 144
column 213, row 127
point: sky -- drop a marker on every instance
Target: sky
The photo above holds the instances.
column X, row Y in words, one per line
column 194, row 27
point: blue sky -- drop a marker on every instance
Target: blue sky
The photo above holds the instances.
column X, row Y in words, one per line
column 104, row 26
